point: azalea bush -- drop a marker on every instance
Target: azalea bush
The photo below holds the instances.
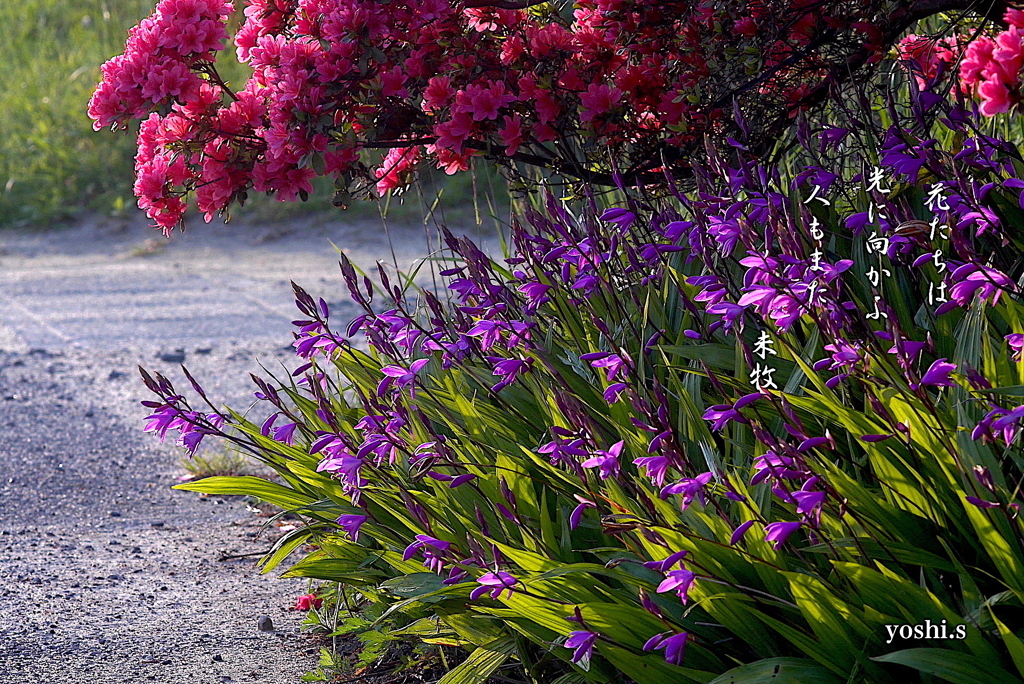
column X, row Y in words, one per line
column 365, row 91
column 764, row 428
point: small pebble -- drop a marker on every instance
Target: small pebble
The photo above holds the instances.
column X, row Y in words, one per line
column 265, row 624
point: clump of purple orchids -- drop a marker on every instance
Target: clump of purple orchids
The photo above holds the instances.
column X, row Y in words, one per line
column 751, row 422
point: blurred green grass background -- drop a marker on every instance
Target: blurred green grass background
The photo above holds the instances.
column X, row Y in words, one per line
column 52, row 164
column 54, row 167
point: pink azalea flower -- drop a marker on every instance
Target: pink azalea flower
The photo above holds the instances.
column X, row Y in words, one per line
column 598, row 100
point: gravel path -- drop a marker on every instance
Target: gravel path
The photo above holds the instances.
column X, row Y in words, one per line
column 107, row 574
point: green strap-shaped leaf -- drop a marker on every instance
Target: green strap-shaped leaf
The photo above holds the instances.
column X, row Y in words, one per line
column 246, row 485
column 481, row 663
column 778, row 671
column 952, row 666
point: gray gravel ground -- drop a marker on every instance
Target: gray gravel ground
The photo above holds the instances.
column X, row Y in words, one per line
column 107, row 574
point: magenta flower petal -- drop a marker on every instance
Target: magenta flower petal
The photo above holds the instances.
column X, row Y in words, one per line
column 739, row 532
column 779, row 532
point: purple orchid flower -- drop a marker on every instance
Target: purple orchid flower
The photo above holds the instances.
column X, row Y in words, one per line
column 666, row 564
column 489, row 332
column 509, row 370
column 678, row 581
column 607, row 461
column 583, row 643
column 1016, row 342
column 722, row 415
column 621, row 217
column 808, row 502
column 613, row 364
column 689, row 488
column 494, row 584
column 779, row 532
column 738, row 533
column 656, row 466
column 285, row 433
column 973, row 281
column 351, row 524
column 432, row 549
column 937, row 375
column 577, row 513
column 674, row 646
column 614, row 391
column 399, row 376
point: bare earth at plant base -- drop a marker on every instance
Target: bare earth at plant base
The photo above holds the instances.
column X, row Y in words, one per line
column 106, row 574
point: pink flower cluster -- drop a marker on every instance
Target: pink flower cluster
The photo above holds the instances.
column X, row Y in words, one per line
column 426, row 79
column 157, row 65
column 991, row 67
column 928, row 58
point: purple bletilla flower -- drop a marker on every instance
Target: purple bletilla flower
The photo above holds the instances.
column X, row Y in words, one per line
column 351, row 524
column 268, row 424
column 732, row 314
column 689, row 488
column 577, row 513
column 489, row 332
column 614, row 391
column 971, row 280
column 726, row 233
column 607, row 461
column 656, row 466
column 163, row 419
column 674, row 646
column 188, row 424
column 399, row 376
column 747, row 400
column 1016, row 342
column 906, row 351
column 621, row 217
column 285, row 433
column 430, row 548
column 738, row 533
column 831, row 137
column 723, row 414
column 666, row 564
column 981, row 503
column 613, row 364
column 999, row 420
column 565, row 452
column 857, row 222
column 770, row 464
column 536, row 294
column 779, row 532
column 937, row 375
column 583, row 643
column 984, row 477
column 1008, row 420
column 874, row 438
column 341, row 463
column 984, row 218
column 460, row 480
column 494, row 584
column 844, row 354
column 678, row 581
column 509, row 370
column 713, row 290
column 808, row 502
